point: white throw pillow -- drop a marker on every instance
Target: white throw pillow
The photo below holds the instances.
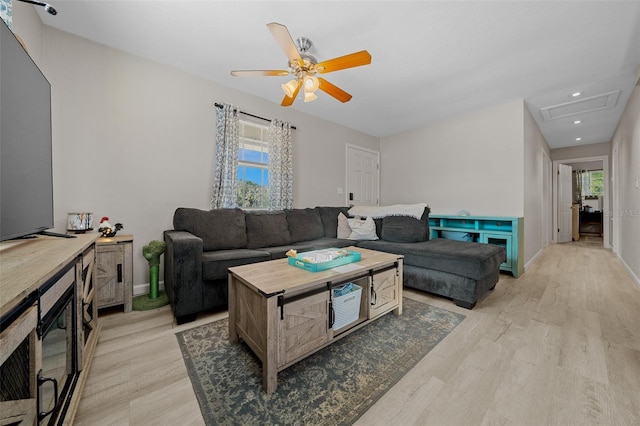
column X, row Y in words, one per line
column 362, row 229
column 344, row 230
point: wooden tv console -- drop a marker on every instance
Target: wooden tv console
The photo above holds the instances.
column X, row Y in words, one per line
column 283, row 313
column 46, row 280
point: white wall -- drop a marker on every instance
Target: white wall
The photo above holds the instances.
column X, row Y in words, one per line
column 133, row 139
column 581, row 151
column 626, row 140
column 534, row 144
column 26, row 24
column 319, row 160
column 472, row 162
column 488, row 162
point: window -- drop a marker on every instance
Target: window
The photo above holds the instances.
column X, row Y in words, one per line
column 592, row 183
column 253, row 166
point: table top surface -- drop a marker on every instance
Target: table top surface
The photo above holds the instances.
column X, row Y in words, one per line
column 125, row 238
column 27, row 264
column 277, row 276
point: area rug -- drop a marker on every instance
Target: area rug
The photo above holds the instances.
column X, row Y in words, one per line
column 333, row 386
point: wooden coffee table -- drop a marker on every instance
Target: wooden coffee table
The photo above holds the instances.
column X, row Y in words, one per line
column 284, row 313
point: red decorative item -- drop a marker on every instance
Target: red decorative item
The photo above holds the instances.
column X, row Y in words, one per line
column 106, row 229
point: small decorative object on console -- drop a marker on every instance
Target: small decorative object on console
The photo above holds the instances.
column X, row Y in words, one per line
column 79, row 222
column 106, row 229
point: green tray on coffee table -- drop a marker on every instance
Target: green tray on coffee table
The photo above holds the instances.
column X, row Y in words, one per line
column 352, row 256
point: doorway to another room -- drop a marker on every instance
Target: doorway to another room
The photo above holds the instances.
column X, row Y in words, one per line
column 581, row 201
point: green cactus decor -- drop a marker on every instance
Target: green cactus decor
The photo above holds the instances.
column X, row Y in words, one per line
column 152, row 253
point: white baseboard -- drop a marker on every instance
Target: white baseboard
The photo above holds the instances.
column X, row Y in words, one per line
column 533, row 259
column 634, row 277
column 144, row 288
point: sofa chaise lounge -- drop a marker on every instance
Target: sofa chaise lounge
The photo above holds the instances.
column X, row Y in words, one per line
column 204, row 244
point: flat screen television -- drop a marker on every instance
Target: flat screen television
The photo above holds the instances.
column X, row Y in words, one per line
column 26, row 170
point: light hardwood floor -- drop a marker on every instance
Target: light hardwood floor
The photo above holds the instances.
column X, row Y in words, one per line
column 558, row 346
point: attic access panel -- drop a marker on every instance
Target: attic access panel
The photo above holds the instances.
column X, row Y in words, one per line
column 593, row 103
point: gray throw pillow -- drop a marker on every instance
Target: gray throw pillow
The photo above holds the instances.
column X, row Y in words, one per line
column 267, row 229
column 406, row 229
column 220, row 229
column 304, row 224
column 329, row 217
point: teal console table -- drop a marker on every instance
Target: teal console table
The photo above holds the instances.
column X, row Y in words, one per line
column 507, row 232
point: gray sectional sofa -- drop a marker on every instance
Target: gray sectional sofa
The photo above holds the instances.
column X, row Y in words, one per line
column 203, row 244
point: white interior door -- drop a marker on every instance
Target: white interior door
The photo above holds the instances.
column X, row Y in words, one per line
column 547, row 201
column 363, row 176
column 565, row 199
column 614, row 220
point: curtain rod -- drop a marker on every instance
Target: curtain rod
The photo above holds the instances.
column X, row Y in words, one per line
column 251, row 115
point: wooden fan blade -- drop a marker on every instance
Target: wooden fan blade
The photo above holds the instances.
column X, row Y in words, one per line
column 288, row 101
column 282, row 36
column 348, row 61
column 259, row 73
column 334, row 91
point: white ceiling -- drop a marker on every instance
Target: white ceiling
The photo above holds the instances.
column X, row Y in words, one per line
column 431, row 60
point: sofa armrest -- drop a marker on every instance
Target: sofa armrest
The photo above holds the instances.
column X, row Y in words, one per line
column 183, row 272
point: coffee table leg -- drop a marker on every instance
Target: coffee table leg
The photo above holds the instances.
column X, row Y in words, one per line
column 233, row 334
column 398, row 311
column 270, row 362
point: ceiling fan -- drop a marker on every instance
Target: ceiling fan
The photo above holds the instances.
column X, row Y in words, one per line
column 304, row 68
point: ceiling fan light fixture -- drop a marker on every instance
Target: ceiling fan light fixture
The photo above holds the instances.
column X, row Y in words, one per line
column 311, row 84
column 290, row 88
column 310, row 96
column 304, row 66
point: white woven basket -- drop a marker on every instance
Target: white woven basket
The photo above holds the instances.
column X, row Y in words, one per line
column 347, row 308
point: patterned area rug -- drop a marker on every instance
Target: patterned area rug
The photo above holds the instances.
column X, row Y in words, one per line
column 333, row 386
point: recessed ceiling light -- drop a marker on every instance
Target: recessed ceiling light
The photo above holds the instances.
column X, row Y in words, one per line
column 576, row 94
column 578, row 139
column 577, row 122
